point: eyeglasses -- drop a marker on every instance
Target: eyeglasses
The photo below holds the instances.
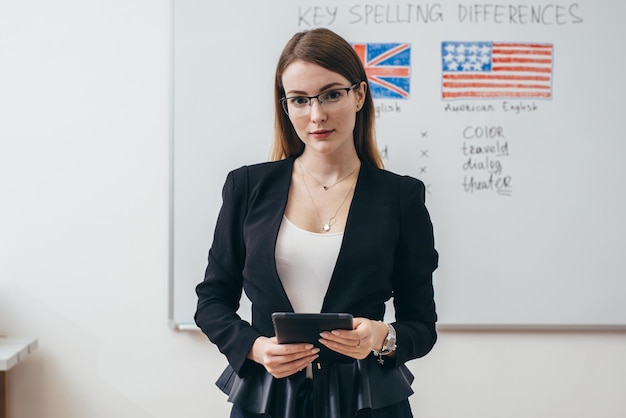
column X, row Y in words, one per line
column 331, row 100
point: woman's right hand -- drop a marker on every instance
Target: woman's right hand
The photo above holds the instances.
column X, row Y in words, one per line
column 282, row 360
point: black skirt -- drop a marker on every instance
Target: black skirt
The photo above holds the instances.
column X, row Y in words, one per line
column 398, row 410
column 336, row 390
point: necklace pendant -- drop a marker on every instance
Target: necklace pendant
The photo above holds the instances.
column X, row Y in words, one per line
column 326, row 227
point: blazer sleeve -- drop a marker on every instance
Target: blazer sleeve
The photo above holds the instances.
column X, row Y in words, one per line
column 220, row 291
column 416, row 259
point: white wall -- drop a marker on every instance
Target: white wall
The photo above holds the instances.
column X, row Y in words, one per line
column 84, row 140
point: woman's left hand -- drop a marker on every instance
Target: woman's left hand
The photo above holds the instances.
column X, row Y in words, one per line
column 358, row 342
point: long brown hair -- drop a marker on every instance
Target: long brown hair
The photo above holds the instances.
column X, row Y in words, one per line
column 328, row 50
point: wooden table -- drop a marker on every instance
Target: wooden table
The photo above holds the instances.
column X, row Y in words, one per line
column 12, row 351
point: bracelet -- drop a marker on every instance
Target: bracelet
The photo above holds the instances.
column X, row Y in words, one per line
column 389, row 345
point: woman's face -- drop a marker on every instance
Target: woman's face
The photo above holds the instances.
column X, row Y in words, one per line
column 324, row 128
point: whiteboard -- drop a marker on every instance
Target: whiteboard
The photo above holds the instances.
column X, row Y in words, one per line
column 525, row 185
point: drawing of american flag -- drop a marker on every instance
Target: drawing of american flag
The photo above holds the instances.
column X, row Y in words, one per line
column 496, row 70
column 388, row 68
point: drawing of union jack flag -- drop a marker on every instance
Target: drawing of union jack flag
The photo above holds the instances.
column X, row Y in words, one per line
column 491, row 70
column 388, row 68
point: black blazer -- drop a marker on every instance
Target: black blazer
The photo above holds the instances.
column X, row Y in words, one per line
column 387, row 250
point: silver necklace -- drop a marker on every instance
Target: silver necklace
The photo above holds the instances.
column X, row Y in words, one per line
column 331, row 221
column 332, row 185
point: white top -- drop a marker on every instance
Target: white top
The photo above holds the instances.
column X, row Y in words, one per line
column 305, row 262
column 12, row 350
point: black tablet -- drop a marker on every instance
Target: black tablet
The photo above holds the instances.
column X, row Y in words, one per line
column 306, row 327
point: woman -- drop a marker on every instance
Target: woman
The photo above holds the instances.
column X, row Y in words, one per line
column 322, row 228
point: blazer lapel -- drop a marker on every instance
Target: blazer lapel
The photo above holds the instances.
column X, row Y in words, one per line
column 276, row 206
column 360, row 216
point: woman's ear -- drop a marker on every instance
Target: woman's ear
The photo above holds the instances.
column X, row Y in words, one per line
column 360, row 95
